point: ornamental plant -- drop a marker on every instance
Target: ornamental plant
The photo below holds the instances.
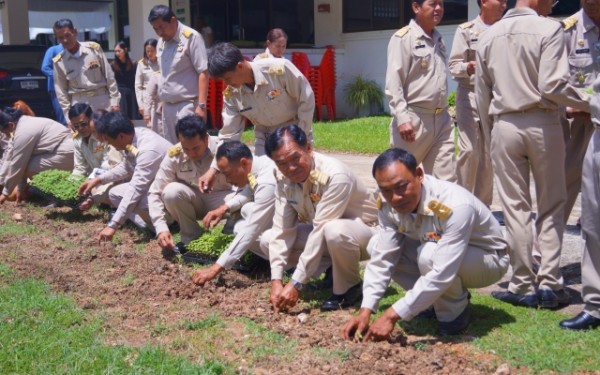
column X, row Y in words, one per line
column 60, row 185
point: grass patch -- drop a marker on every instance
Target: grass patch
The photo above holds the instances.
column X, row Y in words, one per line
column 11, row 228
column 45, row 333
column 260, row 342
column 212, row 321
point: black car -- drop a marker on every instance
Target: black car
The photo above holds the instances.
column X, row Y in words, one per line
column 21, row 78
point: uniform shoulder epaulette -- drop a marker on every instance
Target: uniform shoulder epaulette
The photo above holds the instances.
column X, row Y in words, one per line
column 318, row 177
column 94, row 45
column 277, row 70
column 131, row 149
column 142, row 61
column 279, row 177
column 175, row 150
column 402, row 31
column 263, row 55
column 466, row 25
column 379, row 202
column 228, row 92
column 252, row 181
column 74, row 135
column 569, row 22
column 57, row 57
column 440, row 210
column 187, row 33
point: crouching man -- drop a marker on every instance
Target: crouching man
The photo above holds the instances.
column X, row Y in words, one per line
column 321, row 211
column 436, row 240
column 254, row 200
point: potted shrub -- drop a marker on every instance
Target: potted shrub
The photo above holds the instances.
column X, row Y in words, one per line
column 364, row 95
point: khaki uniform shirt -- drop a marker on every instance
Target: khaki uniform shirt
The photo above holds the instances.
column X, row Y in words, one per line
column 535, row 78
column 151, row 100
column 92, row 154
column 33, row 136
column 4, row 141
column 145, row 69
column 261, row 191
column 331, row 192
column 416, row 72
column 88, row 73
column 140, row 163
column 177, row 167
column 448, row 215
column 265, row 55
column 281, row 96
column 463, row 51
column 583, row 50
column 182, row 59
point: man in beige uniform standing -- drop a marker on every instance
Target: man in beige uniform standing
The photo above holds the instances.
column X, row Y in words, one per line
column 174, row 192
column 527, row 138
column 182, row 57
column 416, row 86
column 321, row 210
column 255, row 200
column 583, row 34
column 473, row 165
column 82, row 72
column 436, row 240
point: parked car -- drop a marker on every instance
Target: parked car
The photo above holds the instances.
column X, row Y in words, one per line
column 21, row 78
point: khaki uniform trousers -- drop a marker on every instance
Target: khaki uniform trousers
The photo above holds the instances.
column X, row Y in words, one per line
column 240, row 219
column 433, row 145
column 577, row 135
column 521, row 143
column 479, row 268
column 99, row 101
column 473, row 166
column 140, row 216
column 171, row 113
column 186, row 205
column 590, row 228
column 345, row 245
column 61, row 159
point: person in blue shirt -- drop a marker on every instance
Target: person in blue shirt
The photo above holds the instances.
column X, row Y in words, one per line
column 48, row 69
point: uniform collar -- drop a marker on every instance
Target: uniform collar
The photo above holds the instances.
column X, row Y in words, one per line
column 426, row 196
column 81, row 51
column 587, row 22
column 435, row 35
column 522, row 11
column 177, row 37
column 259, row 77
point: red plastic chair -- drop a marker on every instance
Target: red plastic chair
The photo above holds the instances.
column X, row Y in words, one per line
column 214, row 102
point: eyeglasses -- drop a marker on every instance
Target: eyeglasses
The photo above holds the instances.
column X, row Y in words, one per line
column 554, row 3
column 79, row 125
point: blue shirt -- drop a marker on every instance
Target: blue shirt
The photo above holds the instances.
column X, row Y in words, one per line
column 48, row 64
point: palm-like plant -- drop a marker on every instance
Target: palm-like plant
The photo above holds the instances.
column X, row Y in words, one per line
column 362, row 92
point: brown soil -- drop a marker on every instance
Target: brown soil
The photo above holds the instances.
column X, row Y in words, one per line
column 132, row 286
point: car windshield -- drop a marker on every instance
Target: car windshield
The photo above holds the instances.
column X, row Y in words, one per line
column 14, row 60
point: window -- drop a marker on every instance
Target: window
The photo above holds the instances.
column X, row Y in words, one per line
column 367, row 15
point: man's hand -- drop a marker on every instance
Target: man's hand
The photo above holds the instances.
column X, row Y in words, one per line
column 383, row 326
column 2, row 198
column 577, row 114
column 87, row 186
column 207, row 180
column 276, row 289
column 147, row 119
column 200, row 112
column 202, row 276
column 471, row 67
column 86, row 204
column 165, row 240
column 407, row 131
column 356, row 327
column 288, row 297
column 141, row 111
column 106, row 234
column 213, row 217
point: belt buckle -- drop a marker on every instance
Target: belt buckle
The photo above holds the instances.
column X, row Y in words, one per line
column 90, row 93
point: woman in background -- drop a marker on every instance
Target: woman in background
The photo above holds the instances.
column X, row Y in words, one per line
column 146, row 67
column 125, row 71
column 276, row 44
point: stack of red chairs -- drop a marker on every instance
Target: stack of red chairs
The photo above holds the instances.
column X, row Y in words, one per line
column 322, row 80
column 214, row 101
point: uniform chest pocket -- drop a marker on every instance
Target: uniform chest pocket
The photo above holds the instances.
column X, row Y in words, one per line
column 93, row 72
column 421, row 56
column 581, row 62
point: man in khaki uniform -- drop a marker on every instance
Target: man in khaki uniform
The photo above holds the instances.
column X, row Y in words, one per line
column 417, row 89
column 582, row 32
column 254, row 200
column 436, row 240
column 174, row 192
column 590, row 228
column 143, row 152
column 473, row 165
column 182, row 57
column 82, row 72
column 527, row 138
column 321, row 210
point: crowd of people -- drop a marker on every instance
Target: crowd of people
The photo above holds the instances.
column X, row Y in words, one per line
column 428, row 227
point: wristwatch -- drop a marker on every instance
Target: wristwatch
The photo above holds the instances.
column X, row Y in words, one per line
column 201, row 105
column 297, row 285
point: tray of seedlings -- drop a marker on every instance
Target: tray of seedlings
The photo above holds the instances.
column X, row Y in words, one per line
column 58, row 186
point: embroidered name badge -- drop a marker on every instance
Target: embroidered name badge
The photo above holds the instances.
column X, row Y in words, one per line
column 420, row 46
column 582, row 50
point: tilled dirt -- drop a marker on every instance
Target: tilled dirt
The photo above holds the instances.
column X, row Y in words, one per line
column 131, row 285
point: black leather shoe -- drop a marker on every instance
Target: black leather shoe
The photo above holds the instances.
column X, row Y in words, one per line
column 456, row 326
column 427, row 314
column 180, row 248
column 340, row 301
column 550, row 299
column 582, row 321
column 526, row 300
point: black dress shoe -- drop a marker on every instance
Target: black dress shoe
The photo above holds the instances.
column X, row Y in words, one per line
column 340, row 301
column 456, row 326
column 427, row 314
column 526, row 300
column 582, row 321
column 551, row 299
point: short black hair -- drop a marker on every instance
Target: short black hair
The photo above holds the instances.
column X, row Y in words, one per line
column 392, row 155
column 114, row 123
column 190, row 126
column 79, row 108
column 9, row 114
column 223, row 58
column 96, row 117
column 161, row 11
column 62, row 23
column 276, row 139
column 233, row 151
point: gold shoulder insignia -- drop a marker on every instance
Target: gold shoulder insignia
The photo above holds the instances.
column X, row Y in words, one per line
column 131, row 149
column 277, row 70
column 318, row 177
column 74, row 134
column 228, row 93
column 379, row 202
column 466, row 25
column 57, row 57
column 175, row 150
column 187, row 33
column 440, row 210
column 263, row 55
column 569, row 22
column 402, row 31
column 252, row 181
column 93, row 45
column 279, row 177
column 142, row 61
